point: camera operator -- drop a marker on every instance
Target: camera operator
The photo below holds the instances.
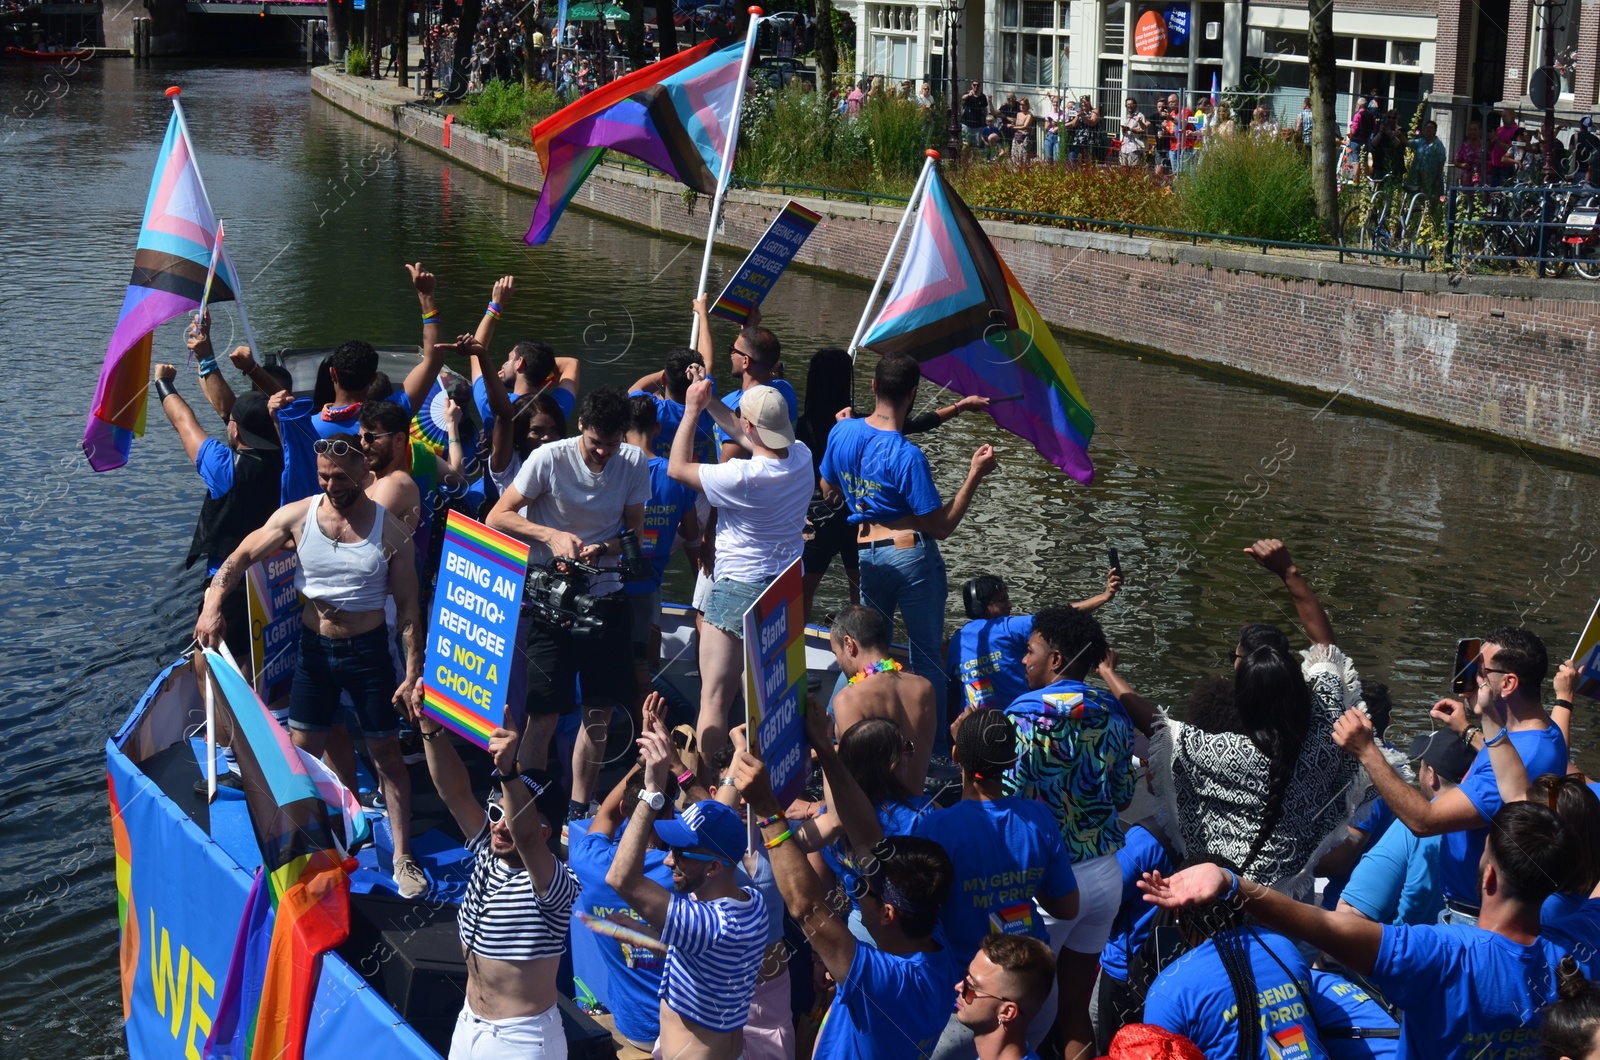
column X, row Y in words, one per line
column 571, row 501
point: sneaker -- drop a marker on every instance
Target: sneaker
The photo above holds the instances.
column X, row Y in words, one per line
column 409, row 877
column 224, row 780
column 372, row 802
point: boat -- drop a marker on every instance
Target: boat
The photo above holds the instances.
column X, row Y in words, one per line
column 34, row 55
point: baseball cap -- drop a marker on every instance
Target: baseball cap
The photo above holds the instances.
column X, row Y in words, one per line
column 706, row 825
column 255, row 425
column 768, row 412
column 1445, row 752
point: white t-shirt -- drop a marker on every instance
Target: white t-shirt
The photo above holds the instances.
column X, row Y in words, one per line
column 761, row 512
column 563, row 494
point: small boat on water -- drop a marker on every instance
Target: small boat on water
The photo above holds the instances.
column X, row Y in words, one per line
column 34, row 55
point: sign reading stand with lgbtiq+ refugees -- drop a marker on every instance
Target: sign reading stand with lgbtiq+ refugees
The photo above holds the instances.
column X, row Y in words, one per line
column 274, row 604
column 1587, row 656
column 472, row 631
column 761, row 269
column 775, row 683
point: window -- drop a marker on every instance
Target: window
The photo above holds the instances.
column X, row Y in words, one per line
column 1038, row 14
column 1008, row 14
column 893, row 36
column 1034, row 44
column 1407, row 53
column 1283, row 42
column 1371, row 50
column 1116, row 30
column 1343, row 47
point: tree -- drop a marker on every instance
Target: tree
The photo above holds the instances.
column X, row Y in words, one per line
column 1324, row 126
column 401, row 26
column 666, row 28
column 338, row 29
column 633, row 34
column 827, row 48
column 471, row 10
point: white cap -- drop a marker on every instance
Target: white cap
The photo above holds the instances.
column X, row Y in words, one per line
column 768, row 412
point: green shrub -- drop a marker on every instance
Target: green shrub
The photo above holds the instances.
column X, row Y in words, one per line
column 504, row 105
column 1130, row 194
column 798, row 135
column 356, row 61
column 1249, row 186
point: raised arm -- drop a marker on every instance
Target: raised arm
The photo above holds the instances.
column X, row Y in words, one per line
column 1140, row 710
column 654, row 383
column 215, row 388
column 450, row 777
column 178, row 412
column 626, row 875
column 681, row 464
column 420, row 379
column 1510, row 772
column 1113, row 586
column 277, row 532
column 499, row 298
column 845, row 797
column 245, row 362
column 527, row 823
column 1352, row 940
column 927, row 421
column 803, row 893
column 1451, row 811
column 1566, row 686
column 1273, row 555
column 941, row 523
column 704, row 344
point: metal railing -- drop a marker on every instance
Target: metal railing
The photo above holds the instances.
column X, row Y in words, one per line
column 1547, row 227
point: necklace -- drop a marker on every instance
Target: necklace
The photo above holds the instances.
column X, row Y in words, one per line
column 882, row 666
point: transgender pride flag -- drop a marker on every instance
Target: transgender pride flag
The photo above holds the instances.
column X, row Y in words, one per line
column 169, row 275
column 673, row 115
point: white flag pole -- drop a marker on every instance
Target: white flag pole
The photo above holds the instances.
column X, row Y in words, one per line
column 894, row 246
column 194, row 160
column 202, row 669
column 726, row 176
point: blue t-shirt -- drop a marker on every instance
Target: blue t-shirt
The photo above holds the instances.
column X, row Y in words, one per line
column 986, row 660
column 632, row 975
column 1543, row 751
column 1005, row 852
column 896, row 818
column 889, row 1007
column 301, row 427
column 1193, row 997
column 480, row 397
column 883, row 476
column 1554, row 917
column 669, row 414
column 781, row 386
column 1373, row 820
column 1341, row 1005
column 1141, row 853
column 1397, row 879
column 669, row 500
column 1462, row 988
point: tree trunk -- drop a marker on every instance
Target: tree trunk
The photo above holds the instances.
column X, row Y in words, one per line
column 666, row 29
column 633, row 33
column 400, row 29
column 827, row 48
column 470, row 12
column 1324, row 125
column 338, row 29
column 530, row 55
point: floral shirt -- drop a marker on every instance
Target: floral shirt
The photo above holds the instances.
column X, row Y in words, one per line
column 1075, row 755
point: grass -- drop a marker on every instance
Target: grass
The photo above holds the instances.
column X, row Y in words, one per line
column 509, row 106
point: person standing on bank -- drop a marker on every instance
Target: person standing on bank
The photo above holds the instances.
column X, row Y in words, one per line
column 898, row 514
column 515, row 916
column 353, row 556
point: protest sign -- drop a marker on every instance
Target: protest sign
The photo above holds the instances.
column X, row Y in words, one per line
column 473, row 629
column 274, row 605
column 775, row 683
column 1587, row 656
column 761, row 269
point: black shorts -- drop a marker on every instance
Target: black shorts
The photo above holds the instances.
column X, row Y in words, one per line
column 602, row 661
column 835, row 536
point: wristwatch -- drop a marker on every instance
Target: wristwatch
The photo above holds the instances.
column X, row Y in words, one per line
column 656, row 800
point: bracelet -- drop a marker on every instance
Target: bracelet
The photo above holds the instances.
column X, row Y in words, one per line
column 777, row 841
column 1498, row 738
column 766, row 822
column 431, row 316
column 492, row 310
column 1563, row 703
column 1234, row 890
column 684, row 777
column 1468, row 732
column 164, row 389
column 207, row 366
column 725, row 782
column 427, row 736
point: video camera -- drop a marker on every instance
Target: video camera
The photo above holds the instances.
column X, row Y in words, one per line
column 557, row 595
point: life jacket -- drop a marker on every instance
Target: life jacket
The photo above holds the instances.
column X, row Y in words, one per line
column 227, row 520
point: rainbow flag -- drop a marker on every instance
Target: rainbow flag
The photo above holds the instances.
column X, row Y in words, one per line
column 169, row 278
column 673, row 115
column 299, row 905
column 957, row 308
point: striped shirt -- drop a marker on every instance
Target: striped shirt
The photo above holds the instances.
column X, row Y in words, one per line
column 713, row 954
column 504, row 918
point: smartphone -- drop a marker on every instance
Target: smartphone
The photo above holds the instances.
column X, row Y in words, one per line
column 1112, row 561
column 1469, row 652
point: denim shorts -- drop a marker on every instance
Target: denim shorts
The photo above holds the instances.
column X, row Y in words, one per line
column 360, row 665
column 729, row 600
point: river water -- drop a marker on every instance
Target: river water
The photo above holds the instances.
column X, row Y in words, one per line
column 1412, row 537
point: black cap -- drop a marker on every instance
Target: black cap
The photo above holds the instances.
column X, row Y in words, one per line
column 250, row 415
column 1445, row 752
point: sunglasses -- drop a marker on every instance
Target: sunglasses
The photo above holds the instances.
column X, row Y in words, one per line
column 333, row 447
column 497, row 812
column 970, row 992
column 679, row 854
column 369, row 437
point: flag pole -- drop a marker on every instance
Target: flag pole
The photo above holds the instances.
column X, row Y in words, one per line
column 194, row 160
column 894, row 246
column 202, row 670
column 726, row 176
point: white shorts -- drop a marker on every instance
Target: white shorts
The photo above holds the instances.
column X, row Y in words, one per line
column 538, row 1037
column 769, row 1033
column 1099, row 898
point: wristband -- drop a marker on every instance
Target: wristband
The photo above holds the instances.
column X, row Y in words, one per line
column 1233, row 890
column 1469, row 732
column 777, row 841
column 726, row 782
column 164, row 389
column 430, row 317
column 207, row 366
column 766, row 822
column 1563, row 703
column 1498, row 737
column 492, row 310
column 684, row 777
column 427, row 736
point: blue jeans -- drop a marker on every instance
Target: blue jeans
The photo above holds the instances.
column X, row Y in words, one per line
column 1052, row 146
column 913, row 580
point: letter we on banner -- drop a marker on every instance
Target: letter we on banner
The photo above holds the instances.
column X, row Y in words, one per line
column 760, row 270
column 473, row 629
column 775, row 683
column 274, row 604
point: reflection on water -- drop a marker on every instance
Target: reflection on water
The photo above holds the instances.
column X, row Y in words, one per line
column 1412, row 538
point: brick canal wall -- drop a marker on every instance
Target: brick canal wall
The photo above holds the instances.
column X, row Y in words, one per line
column 1508, row 357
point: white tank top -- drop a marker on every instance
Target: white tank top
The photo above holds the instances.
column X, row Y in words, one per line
column 338, row 574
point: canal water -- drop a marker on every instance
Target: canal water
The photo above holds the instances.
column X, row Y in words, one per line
column 1412, row 537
